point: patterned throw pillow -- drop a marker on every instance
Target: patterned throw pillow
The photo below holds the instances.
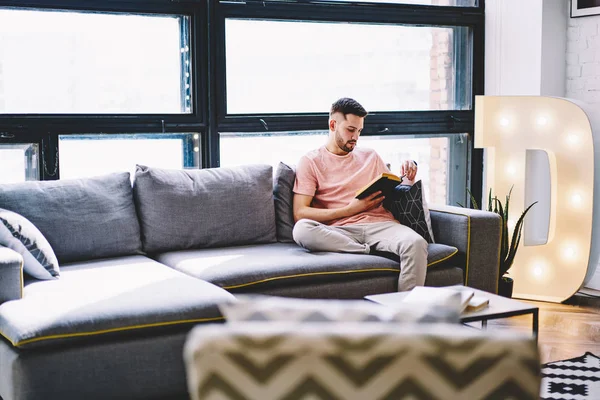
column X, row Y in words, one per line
column 408, row 206
column 264, row 308
column 19, row 234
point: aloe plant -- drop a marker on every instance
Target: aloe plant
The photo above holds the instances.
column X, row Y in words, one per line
column 508, row 248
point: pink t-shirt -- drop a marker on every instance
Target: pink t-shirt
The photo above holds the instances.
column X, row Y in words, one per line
column 333, row 180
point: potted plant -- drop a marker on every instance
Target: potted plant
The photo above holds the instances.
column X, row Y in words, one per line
column 508, row 248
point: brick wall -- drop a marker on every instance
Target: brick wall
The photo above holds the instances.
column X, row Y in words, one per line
column 441, row 96
column 583, row 59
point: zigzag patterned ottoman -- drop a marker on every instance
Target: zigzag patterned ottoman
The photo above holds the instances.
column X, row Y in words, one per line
column 362, row 361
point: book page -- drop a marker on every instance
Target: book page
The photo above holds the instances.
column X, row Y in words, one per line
column 440, row 296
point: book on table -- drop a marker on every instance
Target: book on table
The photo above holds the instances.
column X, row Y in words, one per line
column 477, row 303
column 441, row 296
column 455, row 297
column 385, row 182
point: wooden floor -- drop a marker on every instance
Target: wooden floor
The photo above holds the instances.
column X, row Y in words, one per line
column 566, row 330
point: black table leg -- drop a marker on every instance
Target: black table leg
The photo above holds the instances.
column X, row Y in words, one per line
column 535, row 322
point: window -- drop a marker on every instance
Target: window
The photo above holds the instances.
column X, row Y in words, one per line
column 461, row 3
column 90, row 155
column 443, row 159
column 59, row 62
column 301, row 67
column 103, row 86
column 18, row 162
column 254, row 148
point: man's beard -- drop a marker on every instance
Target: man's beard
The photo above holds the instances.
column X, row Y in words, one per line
column 344, row 145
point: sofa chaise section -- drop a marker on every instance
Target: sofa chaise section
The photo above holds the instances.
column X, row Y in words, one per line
column 99, row 313
column 107, row 298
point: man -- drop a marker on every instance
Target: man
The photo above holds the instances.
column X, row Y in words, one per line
column 329, row 218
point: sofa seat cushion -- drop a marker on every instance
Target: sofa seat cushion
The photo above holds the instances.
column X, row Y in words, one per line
column 236, row 268
column 275, row 264
column 108, row 297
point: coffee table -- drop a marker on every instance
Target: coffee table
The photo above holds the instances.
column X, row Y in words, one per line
column 499, row 307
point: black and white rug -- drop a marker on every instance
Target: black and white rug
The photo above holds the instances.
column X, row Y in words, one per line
column 574, row 379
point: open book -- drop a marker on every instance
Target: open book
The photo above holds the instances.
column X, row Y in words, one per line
column 385, row 182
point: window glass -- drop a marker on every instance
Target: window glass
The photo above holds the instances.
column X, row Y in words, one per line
column 443, row 160
column 18, row 162
column 74, row 62
column 458, row 3
column 299, row 67
column 251, row 148
column 91, row 155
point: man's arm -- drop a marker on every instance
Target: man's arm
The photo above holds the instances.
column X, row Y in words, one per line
column 303, row 209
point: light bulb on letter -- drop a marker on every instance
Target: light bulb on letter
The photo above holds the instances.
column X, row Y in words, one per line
column 569, row 252
column 576, row 200
column 572, row 139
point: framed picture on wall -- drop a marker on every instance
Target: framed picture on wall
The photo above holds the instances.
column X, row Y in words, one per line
column 583, row 8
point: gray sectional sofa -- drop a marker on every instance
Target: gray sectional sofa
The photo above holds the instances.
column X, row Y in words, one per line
column 139, row 267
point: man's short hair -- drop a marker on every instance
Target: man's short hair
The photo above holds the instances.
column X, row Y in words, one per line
column 346, row 105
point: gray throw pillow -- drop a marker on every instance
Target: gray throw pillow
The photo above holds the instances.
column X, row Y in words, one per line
column 19, row 234
column 283, row 186
column 213, row 207
column 83, row 218
column 408, row 206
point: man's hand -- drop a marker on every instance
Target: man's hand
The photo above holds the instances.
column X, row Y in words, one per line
column 359, row 205
column 303, row 208
column 409, row 169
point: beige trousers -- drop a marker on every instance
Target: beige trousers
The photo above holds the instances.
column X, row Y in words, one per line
column 360, row 238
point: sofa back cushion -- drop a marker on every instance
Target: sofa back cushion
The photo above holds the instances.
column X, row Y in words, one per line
column 215, row 207
column 81, row 218
column 283, row 194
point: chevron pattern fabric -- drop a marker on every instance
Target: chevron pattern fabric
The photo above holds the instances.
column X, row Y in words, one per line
column 274, row 308
column 357, row 362
column 407, row 205
column 574, row 379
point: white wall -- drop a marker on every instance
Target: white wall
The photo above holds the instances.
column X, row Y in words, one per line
column 554, row 43
column 583, row 59
column 513, row 30
column 583, row 74
column 525, row 47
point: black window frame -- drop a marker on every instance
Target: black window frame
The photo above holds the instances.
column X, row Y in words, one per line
column 44, row 129
column 379, row 123
column 207, row 36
